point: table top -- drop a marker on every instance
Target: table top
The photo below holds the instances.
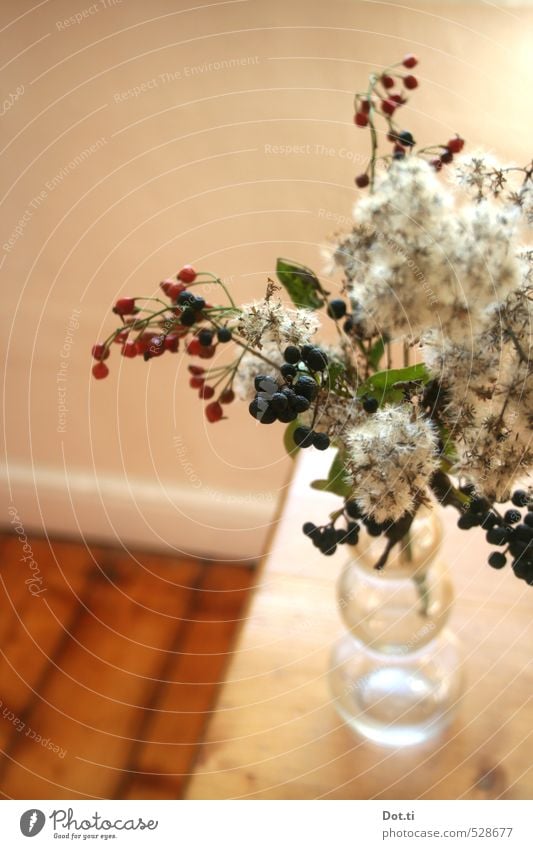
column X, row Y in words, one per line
column 275, row 733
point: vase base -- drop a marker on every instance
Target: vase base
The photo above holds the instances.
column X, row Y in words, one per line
column 396, row 700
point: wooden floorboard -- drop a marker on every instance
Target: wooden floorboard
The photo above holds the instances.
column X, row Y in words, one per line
column 108, row 677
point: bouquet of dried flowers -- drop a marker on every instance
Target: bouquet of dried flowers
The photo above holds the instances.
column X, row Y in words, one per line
column 432, row 269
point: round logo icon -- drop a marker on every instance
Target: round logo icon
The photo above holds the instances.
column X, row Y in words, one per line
column 32, row 822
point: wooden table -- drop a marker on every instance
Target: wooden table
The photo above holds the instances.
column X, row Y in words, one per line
column 275, row 733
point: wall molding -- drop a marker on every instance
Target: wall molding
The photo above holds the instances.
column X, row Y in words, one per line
column 138, row 512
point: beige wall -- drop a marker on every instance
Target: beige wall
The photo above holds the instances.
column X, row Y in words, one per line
column 184, row 173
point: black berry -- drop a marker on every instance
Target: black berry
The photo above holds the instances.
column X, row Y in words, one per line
column 512, row 517
column 188, row 317
column 303, row 437
column 370, row 405
column 306, row 386
column 224, row 334
column 321, row 441
column 497, row 560
column 265, row 383
column 497, row 535
column 299, row 403
column 291, row 355
column 337, row 308
column 406, row 138
column 315, row 359
column 352, row 509
column 520, row 498
column 205, row 337
column 288, row 371
column 261, row 411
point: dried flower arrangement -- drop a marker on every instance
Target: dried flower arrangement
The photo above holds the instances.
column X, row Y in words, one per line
column 435, row 266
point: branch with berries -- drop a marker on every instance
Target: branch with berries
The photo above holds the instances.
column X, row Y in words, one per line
column 441, row 272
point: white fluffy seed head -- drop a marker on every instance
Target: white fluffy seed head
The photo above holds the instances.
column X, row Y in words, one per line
column 390, row 458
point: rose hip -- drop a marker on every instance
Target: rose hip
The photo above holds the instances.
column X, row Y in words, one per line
column 99, row 351
column 187, row 274
column 214, row 412
column 124, row 306
column 100, row 370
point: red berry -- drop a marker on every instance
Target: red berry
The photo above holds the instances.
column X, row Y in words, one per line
column 166, row 284
column 214, row 412
column 172, row 342
column 362, row 181
column 157, row 346
column 446, row 157
column 364, row 105
column 388, row 106
column 124, row 306
column 172, row 289
column 129, row 349
column 196, row 382
column 206, row 353
column 187, row 274
column 227, row 396
column 196, row 370
column 437, row 164
column 387, row 81
column 410, row 61
column 100, row 370
column 456, row 145
column 121, row 337
column 410, row 82
column 398, row 99
column 206, row 392
column 194, row 348
column 143, row 343
column 361, row 119
column 99, row 351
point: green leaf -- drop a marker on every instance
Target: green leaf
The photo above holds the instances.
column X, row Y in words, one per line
column 383, row 382
column 376, row 353
column 301, row 283
column 288, row 439
column 335, row 482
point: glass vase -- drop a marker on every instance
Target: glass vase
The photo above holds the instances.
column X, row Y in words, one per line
column 396, row 675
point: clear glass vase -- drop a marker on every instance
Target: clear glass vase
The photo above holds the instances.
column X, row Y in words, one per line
column 396, row 675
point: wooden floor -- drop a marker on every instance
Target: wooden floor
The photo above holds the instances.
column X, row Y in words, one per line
column 108, row 677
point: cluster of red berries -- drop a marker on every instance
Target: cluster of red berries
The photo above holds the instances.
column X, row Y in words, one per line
column 145, row 344
column 178, row 321
column 197, row 380
column 381, row 100
column 444, row 157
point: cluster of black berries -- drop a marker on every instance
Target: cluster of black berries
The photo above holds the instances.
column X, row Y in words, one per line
column 275, row 402
column 304, row 437
column 327, row 537
column 206, row 336
column 191, row 305
column 312, row 357
column 283, row 402
column 513, row 530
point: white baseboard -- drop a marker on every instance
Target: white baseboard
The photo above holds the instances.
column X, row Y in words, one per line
column 221, row 525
